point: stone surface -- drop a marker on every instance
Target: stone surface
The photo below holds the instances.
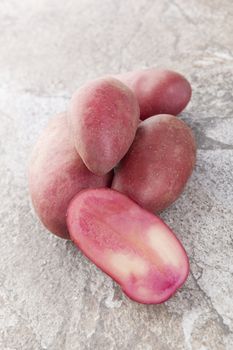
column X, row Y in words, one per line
column 51, row 297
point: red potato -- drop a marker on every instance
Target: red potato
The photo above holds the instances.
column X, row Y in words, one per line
column 131, row 245
column 158, row 164
column 56, row 174
column 104, row 115
column 158, row 91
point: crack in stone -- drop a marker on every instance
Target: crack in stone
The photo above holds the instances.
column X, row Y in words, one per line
column 176, row 41
column 206, row 120
column 216, row 267
column 205, row 142
column 44, row 95
column 140, row 25
column 183, row 13
column 221, row 322
column 220, row 46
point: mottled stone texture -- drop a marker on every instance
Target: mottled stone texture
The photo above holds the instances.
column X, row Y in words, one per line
column 51, row 297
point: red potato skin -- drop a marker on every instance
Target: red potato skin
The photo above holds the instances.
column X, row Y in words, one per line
column 158, row 164
column 158, row 91
column 56, row 174
column 118, row 236
column 103, row 118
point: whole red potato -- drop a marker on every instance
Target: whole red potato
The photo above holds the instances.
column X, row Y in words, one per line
column 56, row 174
column 158, row 91
column 103, row 118
column 158, row 163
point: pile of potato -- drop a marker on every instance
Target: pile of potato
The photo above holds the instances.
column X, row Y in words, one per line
column 100, row 171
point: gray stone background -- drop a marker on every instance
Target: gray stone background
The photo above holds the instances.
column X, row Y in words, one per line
column 51, row 297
